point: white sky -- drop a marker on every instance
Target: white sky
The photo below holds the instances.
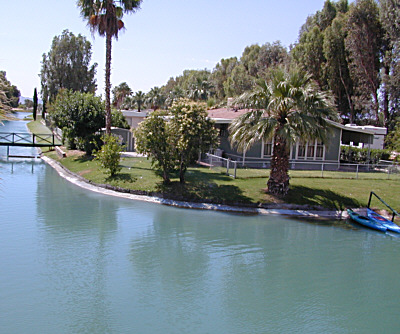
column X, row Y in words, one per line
column 162, row 39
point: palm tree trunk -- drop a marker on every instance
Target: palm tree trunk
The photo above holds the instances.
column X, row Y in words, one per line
column 278, row 183
column 108, row 82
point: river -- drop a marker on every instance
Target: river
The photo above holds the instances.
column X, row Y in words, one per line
column 74, row 261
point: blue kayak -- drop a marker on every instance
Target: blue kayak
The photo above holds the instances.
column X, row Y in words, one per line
column 385, row 222
column 366, row 221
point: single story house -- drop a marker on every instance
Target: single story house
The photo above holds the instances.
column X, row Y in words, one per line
column 304, row 155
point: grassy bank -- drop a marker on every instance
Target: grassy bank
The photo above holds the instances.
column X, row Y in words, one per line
column 336, row 190
column 208, row 185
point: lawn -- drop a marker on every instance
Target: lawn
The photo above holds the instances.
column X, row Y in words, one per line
column 37, row 127
column 209, row 185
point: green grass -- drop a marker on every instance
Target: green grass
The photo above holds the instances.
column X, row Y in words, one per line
column 37, row 127
column 208, row 185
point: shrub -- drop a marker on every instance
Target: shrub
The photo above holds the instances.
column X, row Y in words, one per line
column 109, row 155
column 360, row 155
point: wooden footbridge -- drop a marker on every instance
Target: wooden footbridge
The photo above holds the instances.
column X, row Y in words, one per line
column 25, row 139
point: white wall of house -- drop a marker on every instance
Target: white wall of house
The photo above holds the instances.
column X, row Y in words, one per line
column 134, row 117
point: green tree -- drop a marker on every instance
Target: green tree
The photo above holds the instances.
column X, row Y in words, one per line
column 121, row 92
column 390, row 19
column 286, row 108
column 249, row 59
column 28, row 104
column 35, row 103
column 4, row 100
column 105, row 18
column 337, row 68
column 153, row 138
column 238, row 82
column 192, row 133
column 11, row 91
column 80, row 116
column 221, row 73
column 309, row 54
column 67, row 66
column 270, row 56
column 118, row 119
column 364, row 44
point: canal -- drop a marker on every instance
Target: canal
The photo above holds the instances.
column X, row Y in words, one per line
column 74, row 261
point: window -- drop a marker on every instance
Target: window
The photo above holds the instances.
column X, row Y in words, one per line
column 301, row 150
column 268, row 149
column 313, row 150
column 223, row 130
column 319, row 155
column 310, row 150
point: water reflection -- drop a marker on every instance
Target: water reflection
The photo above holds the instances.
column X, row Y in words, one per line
column 76, row 271
column 79, row 262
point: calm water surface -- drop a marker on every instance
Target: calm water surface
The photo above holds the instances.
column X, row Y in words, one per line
column 73, row 261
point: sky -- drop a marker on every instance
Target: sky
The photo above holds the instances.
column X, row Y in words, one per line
column 161, row 40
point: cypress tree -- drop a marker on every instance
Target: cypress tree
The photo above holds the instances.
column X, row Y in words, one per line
column 35, row 104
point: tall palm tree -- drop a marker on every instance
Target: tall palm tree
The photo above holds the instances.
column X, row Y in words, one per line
column 287, row 108
column 105, row 17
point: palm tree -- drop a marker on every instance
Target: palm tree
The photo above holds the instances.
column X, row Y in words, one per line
column 139, row 98
column 287, row 108
column 121, row 92
column 155, row 98
column 104, row 17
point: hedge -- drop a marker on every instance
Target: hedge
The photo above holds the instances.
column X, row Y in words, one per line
column 360, row 155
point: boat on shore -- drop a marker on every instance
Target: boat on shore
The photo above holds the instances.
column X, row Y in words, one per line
column 366, row 221
column 390, row 226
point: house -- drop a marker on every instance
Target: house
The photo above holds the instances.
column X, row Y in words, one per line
column 304, row 155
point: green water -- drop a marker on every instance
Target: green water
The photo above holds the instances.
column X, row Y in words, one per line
column 73, row 261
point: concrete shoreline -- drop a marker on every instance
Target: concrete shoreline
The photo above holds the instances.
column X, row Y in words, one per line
column 85, row 184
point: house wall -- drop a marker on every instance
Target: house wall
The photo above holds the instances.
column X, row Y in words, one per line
column 331, row 154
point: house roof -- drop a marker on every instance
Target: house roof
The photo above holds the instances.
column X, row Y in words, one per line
column 225, row 115
column 135, row 113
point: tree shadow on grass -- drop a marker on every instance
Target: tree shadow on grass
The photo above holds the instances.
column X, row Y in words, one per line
column 84, row 158
column 206, row 192
column 121, row 177
column 318, row 197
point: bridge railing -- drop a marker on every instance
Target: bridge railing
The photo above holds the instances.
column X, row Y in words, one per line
column 28, row 139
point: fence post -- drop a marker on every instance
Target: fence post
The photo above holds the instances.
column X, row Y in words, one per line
column 210, row 161
column 357, row 172
column 234, row 173
column 33, row 139
column 227, row 166
column 322, row 170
